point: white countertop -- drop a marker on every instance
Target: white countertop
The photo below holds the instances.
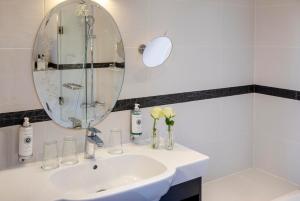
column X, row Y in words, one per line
column 31, row 183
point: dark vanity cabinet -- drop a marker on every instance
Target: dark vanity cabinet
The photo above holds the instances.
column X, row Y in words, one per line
column 187, row 191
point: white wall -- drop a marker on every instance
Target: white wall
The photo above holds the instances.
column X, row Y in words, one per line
column 276, row 120
column 213, row 48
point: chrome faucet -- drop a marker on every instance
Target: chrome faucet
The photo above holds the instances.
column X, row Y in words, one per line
column 92, row 140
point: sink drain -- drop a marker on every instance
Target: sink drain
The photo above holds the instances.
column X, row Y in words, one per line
column 101, row 190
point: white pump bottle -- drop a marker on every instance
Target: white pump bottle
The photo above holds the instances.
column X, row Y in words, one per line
column 25, row 140
column 136, row 123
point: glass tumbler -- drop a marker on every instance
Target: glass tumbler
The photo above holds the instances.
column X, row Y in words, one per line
column 50, row 156
column 69, row 151
column 115, row 142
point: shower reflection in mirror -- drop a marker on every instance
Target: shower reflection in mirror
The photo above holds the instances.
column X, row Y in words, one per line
column 79, row 63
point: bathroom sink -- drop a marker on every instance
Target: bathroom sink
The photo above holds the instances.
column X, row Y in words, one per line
column 125, row 177
column 140, row 174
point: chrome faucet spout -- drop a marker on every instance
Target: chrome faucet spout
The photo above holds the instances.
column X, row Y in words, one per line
column 92, row 140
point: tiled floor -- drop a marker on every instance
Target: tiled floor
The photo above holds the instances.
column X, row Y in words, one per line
column 249, row 185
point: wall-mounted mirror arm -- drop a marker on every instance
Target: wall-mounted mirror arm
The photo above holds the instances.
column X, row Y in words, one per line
column 142, row 48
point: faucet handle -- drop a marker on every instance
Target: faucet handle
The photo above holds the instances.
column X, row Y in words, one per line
column 93, row 130
column 96, row 140
column 93, row 137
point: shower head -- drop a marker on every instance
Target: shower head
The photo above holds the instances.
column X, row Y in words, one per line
column 90, row 20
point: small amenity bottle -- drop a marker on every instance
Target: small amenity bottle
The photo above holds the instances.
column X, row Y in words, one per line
column 136, row 124
column 25, row 140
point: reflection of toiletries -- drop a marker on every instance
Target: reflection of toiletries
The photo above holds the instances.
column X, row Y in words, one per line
column 25, row 140
column 45, row 63
column 41, row 63
column 38, row 63
column 136, row 122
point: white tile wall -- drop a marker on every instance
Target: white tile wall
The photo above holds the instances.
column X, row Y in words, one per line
column 281, row 65
column 277, row 49
column 213, row 42
column 276, row 136
column 19, row 22
column 16, row 82
column 277, row 34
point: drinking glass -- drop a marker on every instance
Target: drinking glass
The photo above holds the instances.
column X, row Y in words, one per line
column 69, row 152
column 115, row 142
column 50, row 156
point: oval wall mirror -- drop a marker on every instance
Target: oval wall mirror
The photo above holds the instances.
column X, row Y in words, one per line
column 78, row 63
column 157, row 51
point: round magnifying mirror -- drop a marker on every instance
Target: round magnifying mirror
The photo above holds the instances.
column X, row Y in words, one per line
column 157, row 51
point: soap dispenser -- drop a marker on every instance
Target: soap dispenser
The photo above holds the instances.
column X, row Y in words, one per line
column 25, row 141
column 136, row 123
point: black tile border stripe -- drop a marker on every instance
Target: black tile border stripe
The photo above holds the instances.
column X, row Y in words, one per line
column 88, row 65
column 39, row 115
column 278, row 92
column 150, row 101
column 16, row 118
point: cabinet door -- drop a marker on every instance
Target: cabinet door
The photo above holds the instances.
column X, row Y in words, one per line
column 187, row 191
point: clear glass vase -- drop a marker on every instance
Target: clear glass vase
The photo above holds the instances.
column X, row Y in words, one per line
column 169, row 140
column 155, row 139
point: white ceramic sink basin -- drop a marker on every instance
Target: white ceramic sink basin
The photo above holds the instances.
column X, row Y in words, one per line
column 140, row 174
column 126, row 177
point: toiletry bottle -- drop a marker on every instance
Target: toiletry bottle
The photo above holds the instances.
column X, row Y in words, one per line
column 38, row 63
column 136, row 123
column 25, row 140
column 41, row 62
column 45, row 63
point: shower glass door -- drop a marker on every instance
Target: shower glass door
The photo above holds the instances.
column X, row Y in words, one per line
column 72, row 62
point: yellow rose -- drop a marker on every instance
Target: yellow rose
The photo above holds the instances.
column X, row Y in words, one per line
column 156, row 113
column 168, row 112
